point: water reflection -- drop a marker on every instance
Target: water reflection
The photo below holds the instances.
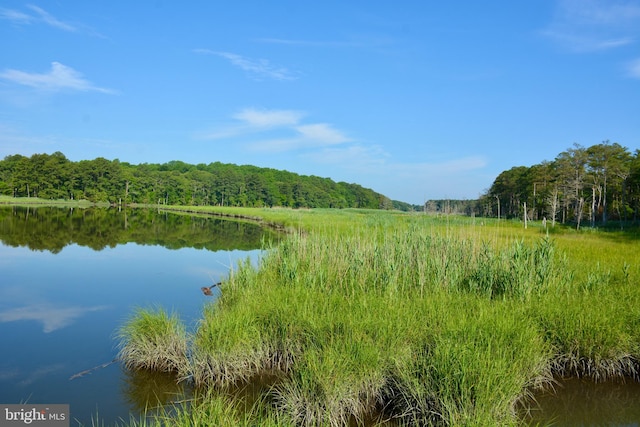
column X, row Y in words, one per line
column 579, row 402
column 52, row 229
column 70, row 277
column 52, row 317
column 145, row 390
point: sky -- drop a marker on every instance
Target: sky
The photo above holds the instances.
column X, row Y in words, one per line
column 416, row 100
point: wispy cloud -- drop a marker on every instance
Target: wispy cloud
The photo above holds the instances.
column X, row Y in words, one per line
column 374, row 159
column 51, row 20
column 323, row 133
column 305, row 136
column 311, row 43
column 15, row 141
column 292, row 134
column 378, row 168
column 444, row 168
column 40, row 373
column 16, row 17
column 257, row 69
column 37, row 15
column 634, row 69
column 357, row 158
column 60, row 77
column 251, row 121
column 316, row 145
column 268, row 118
column 594, row 25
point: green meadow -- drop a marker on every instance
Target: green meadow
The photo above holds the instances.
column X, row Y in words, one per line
column 363, row 317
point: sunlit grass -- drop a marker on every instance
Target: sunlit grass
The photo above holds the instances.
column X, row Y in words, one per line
column 153, row 339
column 416, row 318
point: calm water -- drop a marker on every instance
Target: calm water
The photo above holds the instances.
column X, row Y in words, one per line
column 69, row 278
column 580, row 403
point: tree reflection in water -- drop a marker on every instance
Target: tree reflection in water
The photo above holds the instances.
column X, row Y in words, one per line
column 52, row 228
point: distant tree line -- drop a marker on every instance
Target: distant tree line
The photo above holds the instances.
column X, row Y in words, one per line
column 581, row 185
column 53, row 176
column 451, row 206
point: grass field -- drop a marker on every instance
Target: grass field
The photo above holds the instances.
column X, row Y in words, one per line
column 361, row 315
column 423, row 320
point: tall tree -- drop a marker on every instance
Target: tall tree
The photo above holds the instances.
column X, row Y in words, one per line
column 607, row 162
column 571, row 167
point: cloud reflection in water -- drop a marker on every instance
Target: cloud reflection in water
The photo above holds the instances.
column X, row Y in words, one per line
column 52, row 317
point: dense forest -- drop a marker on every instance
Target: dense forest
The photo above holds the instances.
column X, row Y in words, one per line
column 580, row 186
column 53, row 176
column 591, row 185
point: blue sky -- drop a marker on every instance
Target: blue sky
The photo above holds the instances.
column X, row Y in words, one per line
column 414, row 99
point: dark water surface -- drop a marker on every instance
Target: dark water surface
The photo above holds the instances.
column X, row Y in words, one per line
column 578, row 402
column 69, row 278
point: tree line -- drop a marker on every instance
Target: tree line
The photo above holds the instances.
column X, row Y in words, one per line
column 53, row 176
column 581, row 185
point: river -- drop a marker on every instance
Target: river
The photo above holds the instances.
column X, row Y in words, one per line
column 70, row 277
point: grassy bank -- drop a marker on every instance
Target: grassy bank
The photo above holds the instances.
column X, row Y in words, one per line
column 36, row 201
column 360, row 315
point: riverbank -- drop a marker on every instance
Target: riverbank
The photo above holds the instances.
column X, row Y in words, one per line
column 36, row 201
column 418, row 319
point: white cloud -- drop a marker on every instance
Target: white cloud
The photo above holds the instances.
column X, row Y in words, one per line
column 594, row 25
column 322, row 133
column 257, row 69
column 59, row 78
column 307, row 136
column 283, row 132
column 16, row 16
column 49, row 19
column 252, row 121
column 41, row 15
column 278, row 131
column 268, row 118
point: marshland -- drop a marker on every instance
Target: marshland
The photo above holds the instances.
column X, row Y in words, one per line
column 362, row 317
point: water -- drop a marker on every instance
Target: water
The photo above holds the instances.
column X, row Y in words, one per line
column 576, row 402
column 68, row 280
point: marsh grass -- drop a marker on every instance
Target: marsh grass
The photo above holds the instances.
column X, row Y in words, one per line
column 153, row 339
column 385, row 320
column 426, row 320
column 203, row 410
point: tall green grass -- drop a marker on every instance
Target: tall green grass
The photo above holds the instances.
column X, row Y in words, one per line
column 422, row 320
column 153, row 339
column 401, row 320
